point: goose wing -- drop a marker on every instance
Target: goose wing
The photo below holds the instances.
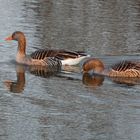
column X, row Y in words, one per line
column 125, row 65
column 60, row 54
column 64, row 54
column 42, row 53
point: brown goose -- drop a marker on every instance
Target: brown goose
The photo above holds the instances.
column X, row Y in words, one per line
column 121, row 69
column 44, row 57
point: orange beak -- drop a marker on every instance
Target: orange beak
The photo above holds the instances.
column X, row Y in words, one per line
column 8, row 38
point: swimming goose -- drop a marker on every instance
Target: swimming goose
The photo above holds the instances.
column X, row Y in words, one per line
column 121, row 69
column 44, row 57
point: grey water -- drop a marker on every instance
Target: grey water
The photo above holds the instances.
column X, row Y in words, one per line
column 40, row 105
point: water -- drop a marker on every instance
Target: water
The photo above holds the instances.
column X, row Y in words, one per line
column 41, row 105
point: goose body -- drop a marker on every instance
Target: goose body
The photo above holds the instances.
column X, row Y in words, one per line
column 44, row 57
column 121, row 69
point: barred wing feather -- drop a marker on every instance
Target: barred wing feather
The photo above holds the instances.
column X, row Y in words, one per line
column 125, row 65
column 60, row 54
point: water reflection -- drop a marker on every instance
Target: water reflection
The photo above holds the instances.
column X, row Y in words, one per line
column 19, row 85
column 92, row 80
column 43, row 71
column 68, row 72
column 97, row 80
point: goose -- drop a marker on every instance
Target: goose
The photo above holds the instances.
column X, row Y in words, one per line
column 44, row 57
column 126, row 68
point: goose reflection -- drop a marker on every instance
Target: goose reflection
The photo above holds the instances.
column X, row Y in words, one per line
column 18, row 85
column 43, row 71
column 97, row 80
column 92, row 80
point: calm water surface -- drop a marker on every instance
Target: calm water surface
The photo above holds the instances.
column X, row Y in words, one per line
column 38, row 105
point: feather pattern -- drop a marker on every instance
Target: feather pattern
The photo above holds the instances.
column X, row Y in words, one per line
column 125, row 65
column 60, row 54
column 52, row 62
column 125, row 69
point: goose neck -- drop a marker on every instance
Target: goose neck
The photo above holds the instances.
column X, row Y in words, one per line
column 22, row 46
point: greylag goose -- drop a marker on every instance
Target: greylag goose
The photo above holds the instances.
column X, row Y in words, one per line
column 44, row 57
column 122, row 69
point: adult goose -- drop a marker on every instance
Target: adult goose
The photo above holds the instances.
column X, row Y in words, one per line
column 44, row 57
column 122, row 69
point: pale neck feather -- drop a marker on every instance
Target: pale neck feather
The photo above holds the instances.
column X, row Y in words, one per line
column 20, row 57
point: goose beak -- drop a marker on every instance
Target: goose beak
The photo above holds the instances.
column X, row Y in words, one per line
column 8, row 38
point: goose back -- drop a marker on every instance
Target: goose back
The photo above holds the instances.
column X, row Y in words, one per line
column 125, row 69
column 60, row 54
column 125, row 65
